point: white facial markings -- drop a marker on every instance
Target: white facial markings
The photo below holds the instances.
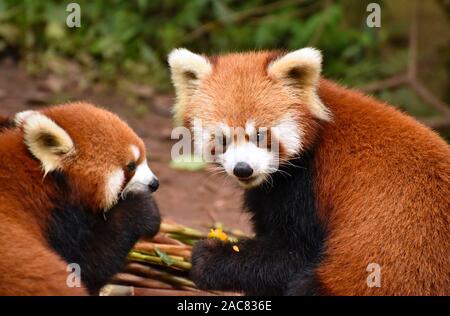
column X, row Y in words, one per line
column 143, row 174
column 241, row 145
column 201, row 136
column 114, row 184
column 289, row 134
column 225, row 129
column 250, row 128
column 141, row 179
column 136, row 152
column 260, row 159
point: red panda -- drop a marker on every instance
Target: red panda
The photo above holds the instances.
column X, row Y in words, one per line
column 74, row 188
column 360, row 202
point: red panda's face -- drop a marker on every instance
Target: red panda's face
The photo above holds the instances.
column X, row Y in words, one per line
column 250, row 112
column 101, row 156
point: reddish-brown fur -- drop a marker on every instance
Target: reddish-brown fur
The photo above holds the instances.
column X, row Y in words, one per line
column 249, row 92
column 382, row 178
column 23, row 214
column 383, row 184
column 27, row 265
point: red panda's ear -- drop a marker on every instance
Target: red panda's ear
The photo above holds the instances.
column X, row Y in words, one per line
column 45, row 139
column 187, row 70
column 300, row 71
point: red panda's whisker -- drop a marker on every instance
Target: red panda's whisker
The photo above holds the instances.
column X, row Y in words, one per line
column 282, row 172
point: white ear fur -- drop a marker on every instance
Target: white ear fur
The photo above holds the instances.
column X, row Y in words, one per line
column 187, row 70
column 300, row 72
column 20, row 117
column 45, row 139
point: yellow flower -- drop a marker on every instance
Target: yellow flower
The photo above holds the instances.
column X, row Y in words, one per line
column 236, row 248
column 218, row 233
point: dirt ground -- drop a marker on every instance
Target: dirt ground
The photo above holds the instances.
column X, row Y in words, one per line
column 196, row 199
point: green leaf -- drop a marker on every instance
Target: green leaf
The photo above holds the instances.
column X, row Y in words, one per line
column 165, row 257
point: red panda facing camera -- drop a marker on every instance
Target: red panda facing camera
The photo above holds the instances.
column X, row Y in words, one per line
column 359, row 184
column 74, row 188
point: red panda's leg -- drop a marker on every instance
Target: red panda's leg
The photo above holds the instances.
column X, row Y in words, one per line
column 259, row 268
column 29, row 267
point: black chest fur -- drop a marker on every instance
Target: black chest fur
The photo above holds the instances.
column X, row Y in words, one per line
column 100, row 245
column 284, row 212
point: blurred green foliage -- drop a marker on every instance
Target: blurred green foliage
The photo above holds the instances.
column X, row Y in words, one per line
column 132, row 38
column 129, row 40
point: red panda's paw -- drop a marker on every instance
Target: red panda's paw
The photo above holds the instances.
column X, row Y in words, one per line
column 207, row 257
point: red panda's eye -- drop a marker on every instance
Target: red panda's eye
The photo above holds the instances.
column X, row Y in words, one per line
column 221, row 143
column 260, row 137
column 224, row 142
column 131, row 166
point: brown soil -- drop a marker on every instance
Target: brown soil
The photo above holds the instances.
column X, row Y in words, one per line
column 196, row 199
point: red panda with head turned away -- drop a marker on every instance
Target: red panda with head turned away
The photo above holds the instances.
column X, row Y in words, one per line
column 74, row 188
column 360, row 201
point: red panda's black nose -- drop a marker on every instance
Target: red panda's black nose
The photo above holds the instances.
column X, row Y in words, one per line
column 242, row 170
column 154, row 185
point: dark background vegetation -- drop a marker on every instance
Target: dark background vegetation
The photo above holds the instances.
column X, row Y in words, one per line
column 129, row 40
